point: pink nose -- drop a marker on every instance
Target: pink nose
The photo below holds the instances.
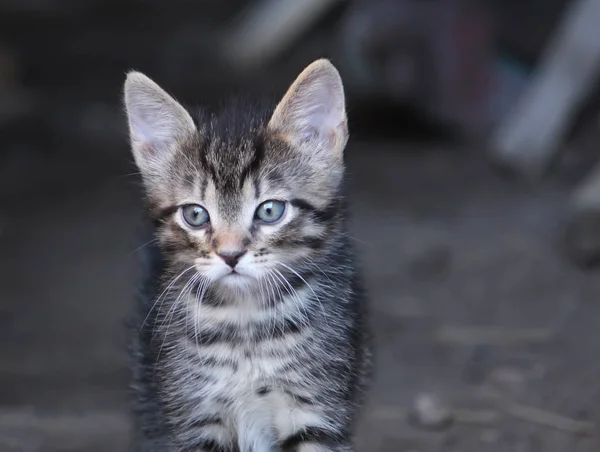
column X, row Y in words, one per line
column 231, row 258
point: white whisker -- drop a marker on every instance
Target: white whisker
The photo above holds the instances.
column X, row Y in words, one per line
column 154, row 240
column 309, row 287
column 204, row 283
column 294, row 294
column 164, row 293
column 171, row 312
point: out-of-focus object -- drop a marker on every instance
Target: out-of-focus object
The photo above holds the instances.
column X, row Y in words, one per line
column 437, row 57
column 47, row 8
column 530, row 135
column 15, row 101
column 270, row 27
column 430, row 412
column 582, row 232
column 510, row 79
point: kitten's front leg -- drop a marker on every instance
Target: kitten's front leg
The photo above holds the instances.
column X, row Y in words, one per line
column 314, row 447
column 316, row 440
column 255, row 430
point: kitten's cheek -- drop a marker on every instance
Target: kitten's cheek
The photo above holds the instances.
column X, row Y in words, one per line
column 209, row 268
column 249, row 270
column 200, row 262
column 215, row 272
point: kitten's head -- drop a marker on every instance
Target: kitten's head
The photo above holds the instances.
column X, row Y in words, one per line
column 243, row 200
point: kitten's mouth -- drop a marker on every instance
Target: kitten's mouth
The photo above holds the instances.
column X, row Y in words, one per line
column 235, row 274
column 236, row 278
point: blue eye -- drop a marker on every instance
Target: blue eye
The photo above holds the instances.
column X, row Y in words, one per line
column 270, row 211
column 194, row 215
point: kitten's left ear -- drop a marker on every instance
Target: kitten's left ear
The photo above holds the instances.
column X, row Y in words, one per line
column 312, row 114
column 156, row 123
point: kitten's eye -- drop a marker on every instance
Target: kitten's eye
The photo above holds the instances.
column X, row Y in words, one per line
column 194, row 215
column 270, row 211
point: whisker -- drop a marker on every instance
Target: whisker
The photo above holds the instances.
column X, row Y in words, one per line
column 309, row 287
column 272, row 287
column 317, row 267
column 294, row 294
column 187, row 287
column 165, row 292
column 356, row 239
column 132, row 174
column 264, row 296
column 204, row 283
column 154, row 240
column 299, row 276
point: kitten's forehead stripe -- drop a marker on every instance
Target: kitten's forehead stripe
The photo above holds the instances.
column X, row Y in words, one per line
column 256, row 186
column 253, row 166
column 236, row 145
column 203, row 185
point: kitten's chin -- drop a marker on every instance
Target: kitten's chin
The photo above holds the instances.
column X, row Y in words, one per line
column 241, row 279
column 237, row 281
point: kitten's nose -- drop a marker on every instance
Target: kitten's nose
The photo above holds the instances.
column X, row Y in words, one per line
column 231, row 258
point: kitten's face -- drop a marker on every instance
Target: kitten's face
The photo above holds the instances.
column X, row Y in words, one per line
column 246, row 212
column 242, row 209
column 236, row 237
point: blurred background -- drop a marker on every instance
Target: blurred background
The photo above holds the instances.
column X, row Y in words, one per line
column 475, row 204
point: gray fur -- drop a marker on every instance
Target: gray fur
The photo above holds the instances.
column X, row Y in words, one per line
column 275, row 358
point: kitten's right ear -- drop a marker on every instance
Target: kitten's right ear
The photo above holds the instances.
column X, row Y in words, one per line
column 156, row 123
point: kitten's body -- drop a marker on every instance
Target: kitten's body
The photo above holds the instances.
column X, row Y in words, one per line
column 275, row 357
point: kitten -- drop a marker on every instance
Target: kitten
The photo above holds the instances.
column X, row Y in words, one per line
column 250, row 333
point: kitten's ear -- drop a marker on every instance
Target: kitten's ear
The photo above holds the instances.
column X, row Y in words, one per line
column 156, row 122
column 312, row 114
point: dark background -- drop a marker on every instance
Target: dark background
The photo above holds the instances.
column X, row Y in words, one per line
column 473, row 299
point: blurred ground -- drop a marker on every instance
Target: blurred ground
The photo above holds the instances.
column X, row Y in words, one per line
column 446, row 244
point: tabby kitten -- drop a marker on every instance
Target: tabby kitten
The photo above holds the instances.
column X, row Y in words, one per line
column 250, row 334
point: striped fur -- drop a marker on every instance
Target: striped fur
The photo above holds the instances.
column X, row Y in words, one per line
column 275, row 358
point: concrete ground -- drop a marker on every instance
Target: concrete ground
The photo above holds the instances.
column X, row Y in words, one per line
column 471, row 303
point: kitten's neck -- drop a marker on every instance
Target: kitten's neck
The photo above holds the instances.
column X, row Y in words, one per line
column 249, row 308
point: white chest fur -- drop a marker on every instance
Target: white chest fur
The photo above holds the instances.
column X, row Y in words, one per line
column 251, row 386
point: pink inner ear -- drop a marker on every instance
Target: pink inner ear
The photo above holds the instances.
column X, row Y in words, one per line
column 142, row 132
column 332, row 118
column 320, row 119
column 147, row 148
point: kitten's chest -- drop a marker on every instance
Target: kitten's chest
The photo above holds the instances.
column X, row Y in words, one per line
column 244, row 352
column 247, row 381
column 244, row 368
column 241, row 367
